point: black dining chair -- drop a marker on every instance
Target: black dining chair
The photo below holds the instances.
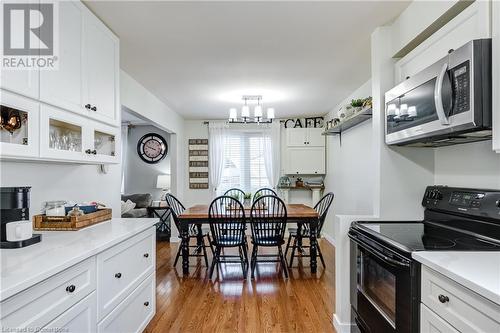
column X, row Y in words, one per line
column 227, row 224
column 235, row 193
column 268, row 222
column 322, row 208
column 195, row 231
column 264, row 191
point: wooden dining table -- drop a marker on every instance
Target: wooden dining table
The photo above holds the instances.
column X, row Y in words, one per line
column 296, row 213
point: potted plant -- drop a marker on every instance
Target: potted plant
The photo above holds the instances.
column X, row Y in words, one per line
column 357, row 104
column 299, row 182
column 247, row 199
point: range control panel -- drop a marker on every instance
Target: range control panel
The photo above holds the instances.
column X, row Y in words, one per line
column 474, row 202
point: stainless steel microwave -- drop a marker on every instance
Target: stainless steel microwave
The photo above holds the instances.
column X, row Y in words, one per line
column 447, row 103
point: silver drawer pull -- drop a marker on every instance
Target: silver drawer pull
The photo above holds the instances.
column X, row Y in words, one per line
column 443, row 299
column 118, row 275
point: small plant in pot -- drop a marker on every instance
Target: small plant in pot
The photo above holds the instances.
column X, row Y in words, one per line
column 357, row 104
column 299, row 182
column 247, row 199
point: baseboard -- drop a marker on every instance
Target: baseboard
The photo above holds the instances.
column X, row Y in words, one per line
column 329, row 238
column 341, row 327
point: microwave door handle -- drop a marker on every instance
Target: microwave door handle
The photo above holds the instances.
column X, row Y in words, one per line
column 438, row 96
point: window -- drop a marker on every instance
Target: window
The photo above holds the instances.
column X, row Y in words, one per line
column 244, row 166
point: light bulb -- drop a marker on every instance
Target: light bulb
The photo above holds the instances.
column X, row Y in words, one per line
column 270, row 113
column 257, row 113
column 245, row 111
column 233, row 114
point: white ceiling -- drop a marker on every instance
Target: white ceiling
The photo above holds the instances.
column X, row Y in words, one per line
column 200, row 57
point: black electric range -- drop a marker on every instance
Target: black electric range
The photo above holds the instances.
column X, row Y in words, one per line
column 385, row 280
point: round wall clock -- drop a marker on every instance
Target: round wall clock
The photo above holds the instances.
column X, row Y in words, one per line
column 152, row 148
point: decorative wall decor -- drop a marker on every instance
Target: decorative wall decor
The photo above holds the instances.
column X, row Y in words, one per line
column 314, row 122
column 198, row 164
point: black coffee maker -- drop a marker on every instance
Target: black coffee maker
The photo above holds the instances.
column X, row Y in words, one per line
column 16, row 227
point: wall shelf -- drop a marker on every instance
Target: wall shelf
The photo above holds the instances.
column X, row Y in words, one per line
column 356, row 119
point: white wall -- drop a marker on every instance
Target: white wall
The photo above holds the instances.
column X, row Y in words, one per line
column 349, row 166
column 139, row 100
column 140, row 177
column 70, row 182
column 471, row 165
column 194, row 129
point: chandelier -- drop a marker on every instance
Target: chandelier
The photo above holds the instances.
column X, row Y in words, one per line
column 245, row 112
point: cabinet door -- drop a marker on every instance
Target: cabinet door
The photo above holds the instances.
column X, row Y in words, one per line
column 63, row 135
column 432, row 323
column 100, row 70
column 22, row 142
column 315, row 137
column 63, row 87
column 296, row 137
column 81, row 317
column 305, row 161
column 106, row 148
column 25, row 82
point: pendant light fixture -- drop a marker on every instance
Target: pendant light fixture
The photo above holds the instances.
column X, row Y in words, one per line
column 258, row 116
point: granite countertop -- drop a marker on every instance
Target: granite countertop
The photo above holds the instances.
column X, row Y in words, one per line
column 478, row 271
column 58, row 250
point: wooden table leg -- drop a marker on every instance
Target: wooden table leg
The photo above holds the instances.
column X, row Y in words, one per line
column 185, row 247
column 314, row 242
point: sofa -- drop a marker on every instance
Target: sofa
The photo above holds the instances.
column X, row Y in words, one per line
column 142, row 202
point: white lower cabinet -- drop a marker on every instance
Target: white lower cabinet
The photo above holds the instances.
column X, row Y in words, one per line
column 134, row 313
column 459, row 307
column 81, row 318
column 70, row 301
column 432, row 323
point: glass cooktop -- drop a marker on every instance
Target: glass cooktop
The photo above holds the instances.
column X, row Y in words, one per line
column 418, row 236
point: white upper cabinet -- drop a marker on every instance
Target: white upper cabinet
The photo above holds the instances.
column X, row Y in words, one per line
column 101, row 70
column 305, row 137
column 305, row 151
column 64, row 87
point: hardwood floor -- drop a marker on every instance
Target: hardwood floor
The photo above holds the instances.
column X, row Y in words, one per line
column 227, row 303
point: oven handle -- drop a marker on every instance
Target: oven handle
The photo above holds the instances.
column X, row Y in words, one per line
column 378, row 254
column 438, row 96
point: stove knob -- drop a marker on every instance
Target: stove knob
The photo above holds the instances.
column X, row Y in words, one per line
column 439, row 195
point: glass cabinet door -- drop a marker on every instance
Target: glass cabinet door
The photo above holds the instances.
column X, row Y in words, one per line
column 104, row 142
column 63, row 135
column 19, row 121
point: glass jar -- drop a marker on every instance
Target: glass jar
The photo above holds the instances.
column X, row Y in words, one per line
column 55, row 208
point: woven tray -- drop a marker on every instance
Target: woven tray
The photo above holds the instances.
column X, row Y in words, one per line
column 66, row 223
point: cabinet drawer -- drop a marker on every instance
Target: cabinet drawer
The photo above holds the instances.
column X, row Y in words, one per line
column 135, row 312
column 38, row 305
column 459, row 306
column 121, row 269
column 432, row 323
column 80, row 318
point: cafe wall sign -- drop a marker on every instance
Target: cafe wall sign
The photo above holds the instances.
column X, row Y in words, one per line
column 312, row 122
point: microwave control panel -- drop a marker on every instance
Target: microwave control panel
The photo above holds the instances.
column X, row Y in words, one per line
column 460, row 78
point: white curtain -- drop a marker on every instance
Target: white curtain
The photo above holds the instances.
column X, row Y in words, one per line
column 217, row 131
column 124, row 138
column 272, row 152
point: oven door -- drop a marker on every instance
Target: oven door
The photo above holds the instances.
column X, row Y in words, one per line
column 382, row 298
column 437, row 101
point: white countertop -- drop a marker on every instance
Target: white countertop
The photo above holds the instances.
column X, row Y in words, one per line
column 58, row 250
column 478, row 271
